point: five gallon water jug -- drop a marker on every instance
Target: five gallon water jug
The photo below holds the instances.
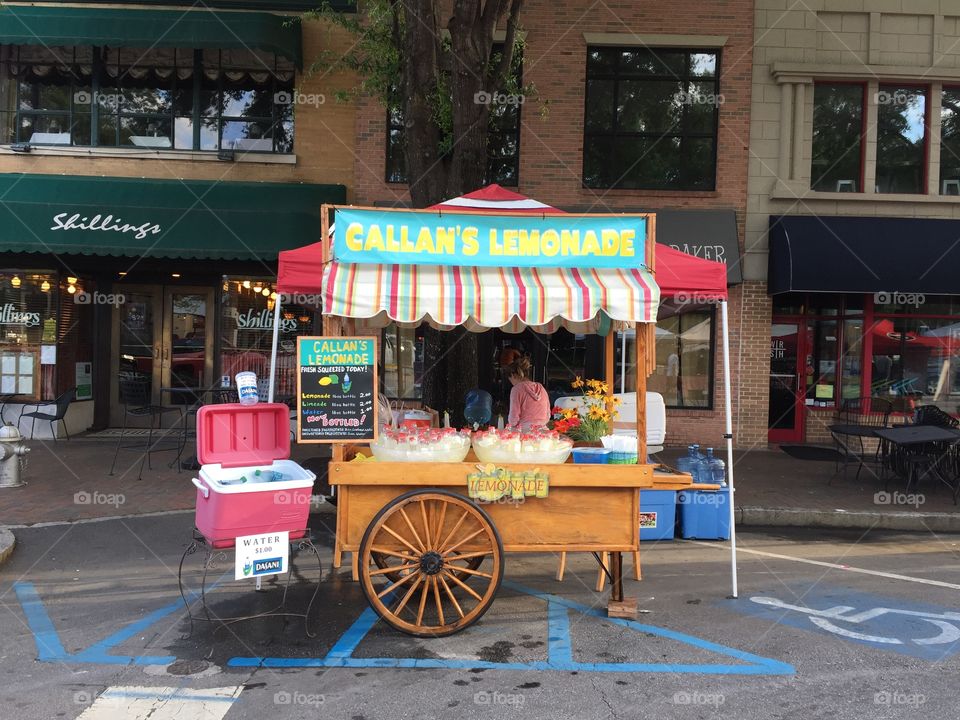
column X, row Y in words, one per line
column 686, row 462
column 718, row 469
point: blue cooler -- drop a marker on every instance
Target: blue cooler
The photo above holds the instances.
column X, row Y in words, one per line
column 658, row 514
column 704, row 514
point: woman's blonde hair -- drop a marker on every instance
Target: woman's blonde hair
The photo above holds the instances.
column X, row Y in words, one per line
column 520, row 368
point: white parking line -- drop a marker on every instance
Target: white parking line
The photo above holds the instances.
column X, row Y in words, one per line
column 161, row 703
column 835, row 566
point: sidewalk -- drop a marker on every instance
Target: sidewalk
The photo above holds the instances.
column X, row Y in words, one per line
column 68, row 480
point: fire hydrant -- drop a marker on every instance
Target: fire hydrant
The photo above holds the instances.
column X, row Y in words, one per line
column 12, row 456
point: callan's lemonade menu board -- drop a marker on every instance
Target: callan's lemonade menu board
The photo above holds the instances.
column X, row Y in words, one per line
column 336, row 389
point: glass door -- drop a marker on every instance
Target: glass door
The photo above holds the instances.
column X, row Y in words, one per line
column 162, row 340
column 787, row 387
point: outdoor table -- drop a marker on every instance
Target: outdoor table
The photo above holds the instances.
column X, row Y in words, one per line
column 920, row 444
column 853, row 431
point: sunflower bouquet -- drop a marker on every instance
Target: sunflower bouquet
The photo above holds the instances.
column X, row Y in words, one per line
column 592, row 420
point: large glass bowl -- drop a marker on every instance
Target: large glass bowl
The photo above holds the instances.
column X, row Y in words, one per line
column 438, row 452
column 499, row 454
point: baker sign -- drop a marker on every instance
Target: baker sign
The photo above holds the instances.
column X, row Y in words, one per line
column 433, row 238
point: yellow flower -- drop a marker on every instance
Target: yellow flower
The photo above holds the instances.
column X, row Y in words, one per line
column 569, row 413
column 616, row 400
column 596, row 413
column 578, row 383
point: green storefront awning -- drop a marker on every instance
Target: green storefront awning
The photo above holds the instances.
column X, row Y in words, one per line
column 133, row 217
column 140, row 28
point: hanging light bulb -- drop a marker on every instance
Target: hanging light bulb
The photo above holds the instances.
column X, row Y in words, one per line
column 44, row 286
column 273, row 295
column 15, row 281
column 246, row 284
column 265, row 292
column 71, row 289
column 71, row 281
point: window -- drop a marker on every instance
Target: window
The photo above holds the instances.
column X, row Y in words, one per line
column 29, row 303
column 901, row 139
column 651, row 119
column 159, row 98
column 916, row 353
column 950, row 142
column 837, row 160
column 402, row 363
column 503, row 134
column 246, row 330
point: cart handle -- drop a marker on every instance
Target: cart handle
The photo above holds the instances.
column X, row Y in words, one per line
column 201, row 487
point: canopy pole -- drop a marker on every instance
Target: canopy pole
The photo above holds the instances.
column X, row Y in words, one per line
column 728, row 412
column 623, row 362
column 273, row 349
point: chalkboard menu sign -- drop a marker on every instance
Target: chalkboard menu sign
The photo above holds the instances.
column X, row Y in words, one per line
column 336, row 389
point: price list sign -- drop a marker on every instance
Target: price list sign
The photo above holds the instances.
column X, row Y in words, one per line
column 336, row 389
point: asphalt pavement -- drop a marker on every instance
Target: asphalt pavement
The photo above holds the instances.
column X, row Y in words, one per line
column 836, row 624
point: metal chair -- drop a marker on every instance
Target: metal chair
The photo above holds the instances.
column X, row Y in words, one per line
column 62, row 405
column 866, row 412
column 135, row 397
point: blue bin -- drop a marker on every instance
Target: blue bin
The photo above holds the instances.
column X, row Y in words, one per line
column 591, row 456
column 704, row 514
column 658, row 514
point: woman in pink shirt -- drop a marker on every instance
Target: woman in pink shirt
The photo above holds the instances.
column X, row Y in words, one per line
column 529, row 402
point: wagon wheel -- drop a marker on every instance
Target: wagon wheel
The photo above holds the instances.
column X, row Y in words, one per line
column 424, row 547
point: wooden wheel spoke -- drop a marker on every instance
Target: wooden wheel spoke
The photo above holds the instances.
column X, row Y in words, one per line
column 468, row 571
column 398, row 583
column 394, row 568
column 456, row 527
column 462, row 584
column 443, row 517
column 416, row 535
column 410, row 591
column 392, row 553
column 423, row 601
column 460, row 542
column 436, row 595
column 401, row 539
column 426, row 525
column 450, row 595
column 469, row 555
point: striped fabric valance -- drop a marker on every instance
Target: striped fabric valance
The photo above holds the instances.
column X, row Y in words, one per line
column 481, row 298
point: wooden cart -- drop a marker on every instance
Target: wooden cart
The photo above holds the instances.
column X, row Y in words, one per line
column 430, row 559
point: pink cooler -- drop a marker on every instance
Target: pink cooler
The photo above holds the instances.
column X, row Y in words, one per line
column 248, row 441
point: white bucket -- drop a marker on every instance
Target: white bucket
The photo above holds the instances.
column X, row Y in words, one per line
column 247, row 388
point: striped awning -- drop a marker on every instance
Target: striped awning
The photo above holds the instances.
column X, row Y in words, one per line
column 481, row 298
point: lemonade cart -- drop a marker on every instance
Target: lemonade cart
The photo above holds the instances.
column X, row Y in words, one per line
column 428, row 539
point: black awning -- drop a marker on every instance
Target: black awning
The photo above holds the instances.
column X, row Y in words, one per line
column 708, row 234
column 814, row 253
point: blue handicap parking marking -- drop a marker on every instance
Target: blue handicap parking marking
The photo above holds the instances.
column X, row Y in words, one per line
column 920, row 630
column 559, row 649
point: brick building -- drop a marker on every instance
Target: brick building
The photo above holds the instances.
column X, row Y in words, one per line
column 649, row 108
column 149, row 173
column 854, row 207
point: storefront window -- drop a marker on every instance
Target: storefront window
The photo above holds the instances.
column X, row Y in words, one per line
column 28, row 333
column 851, row 358
column 146, row 98
column 950, row 142
column 838, row 129
column 901, row 139
column 918, row 360
column 247, row 312
column 820, row 369
column 684, row 371
column 402, row 363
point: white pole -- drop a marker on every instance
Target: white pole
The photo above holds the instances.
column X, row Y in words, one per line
column 273, row 350
column 623, row 362
column 729, row 437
